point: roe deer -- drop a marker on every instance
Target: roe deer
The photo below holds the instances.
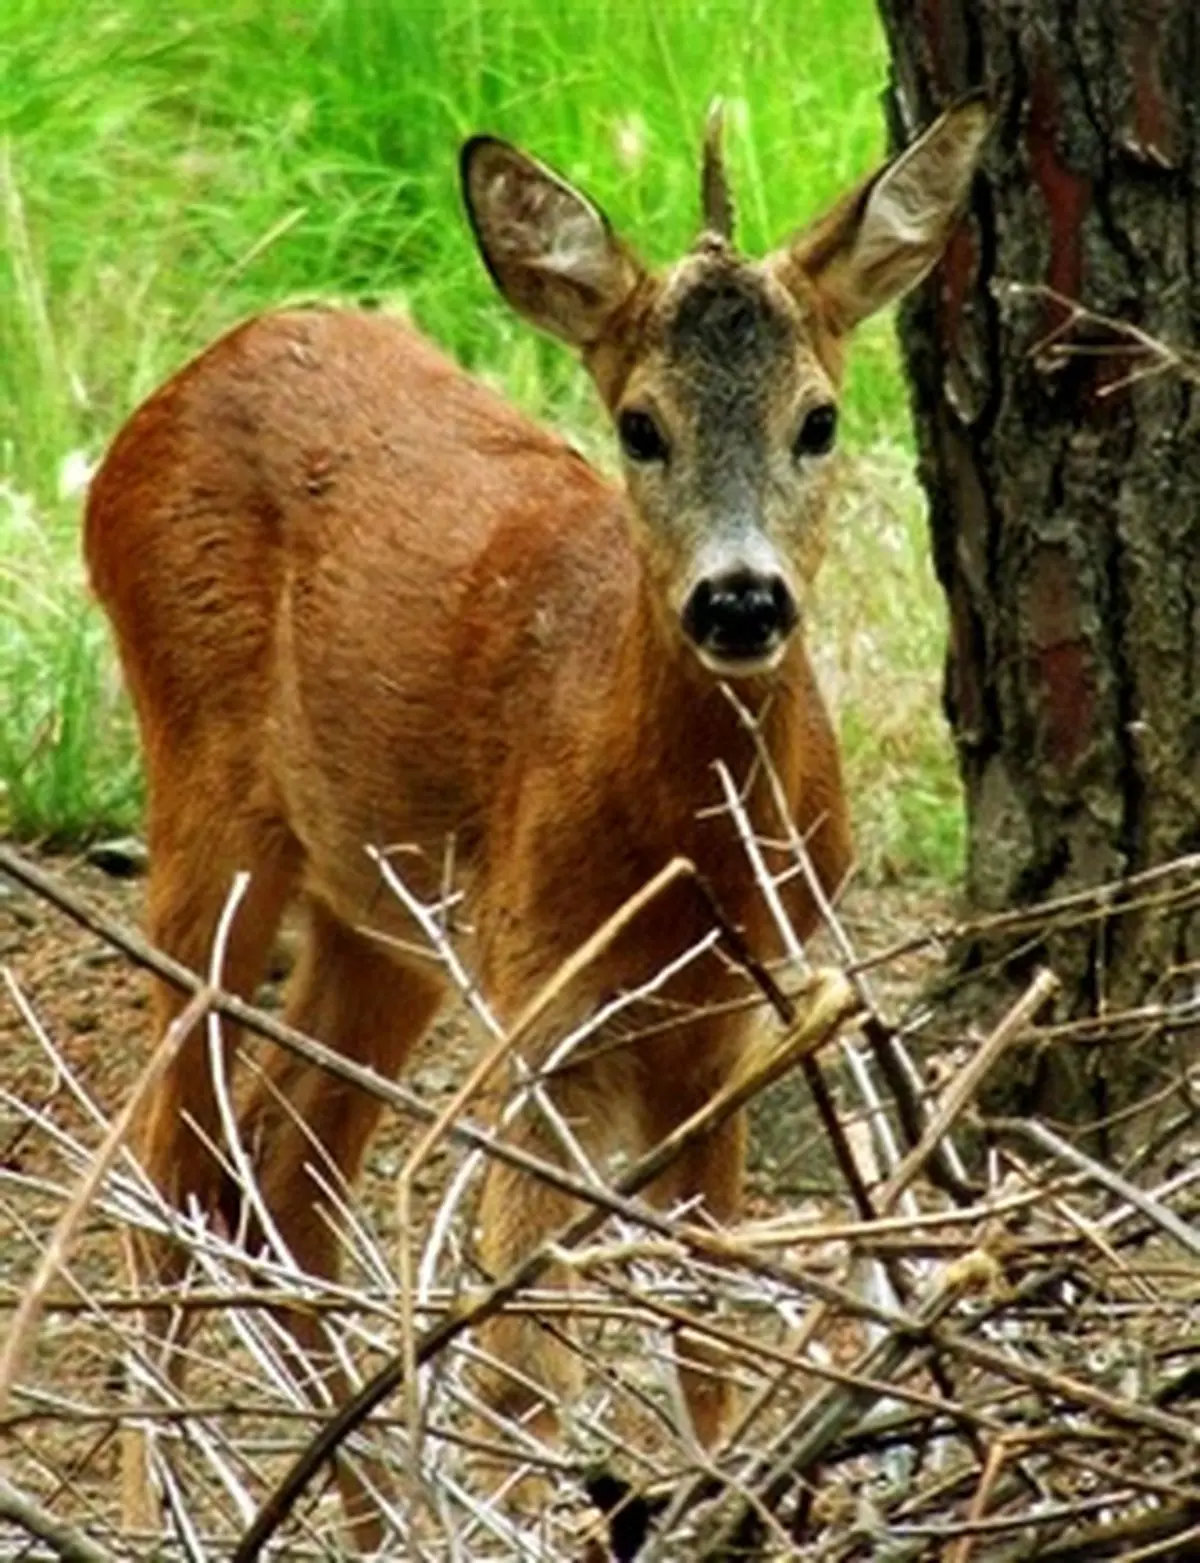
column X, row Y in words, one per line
column 360, row 599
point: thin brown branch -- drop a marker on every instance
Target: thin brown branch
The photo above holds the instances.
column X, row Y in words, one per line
column 831, row 1006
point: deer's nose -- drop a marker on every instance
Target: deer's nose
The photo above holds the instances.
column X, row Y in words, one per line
column 739, row 616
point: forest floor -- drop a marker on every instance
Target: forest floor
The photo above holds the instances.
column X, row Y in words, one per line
column 94, row 1005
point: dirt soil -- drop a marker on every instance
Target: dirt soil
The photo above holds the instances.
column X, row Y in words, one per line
column 94, row 1005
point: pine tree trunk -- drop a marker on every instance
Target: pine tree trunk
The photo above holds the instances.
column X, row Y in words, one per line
column 1065, row 492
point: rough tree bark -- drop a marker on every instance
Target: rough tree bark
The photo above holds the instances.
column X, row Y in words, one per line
column 1065, row 500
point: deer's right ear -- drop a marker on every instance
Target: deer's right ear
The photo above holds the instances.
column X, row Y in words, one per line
column 551, row 252
column 882, row 238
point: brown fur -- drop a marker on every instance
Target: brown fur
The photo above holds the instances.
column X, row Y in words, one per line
column 360, row 600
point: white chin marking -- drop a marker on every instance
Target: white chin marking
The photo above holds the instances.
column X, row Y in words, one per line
column 741, row 667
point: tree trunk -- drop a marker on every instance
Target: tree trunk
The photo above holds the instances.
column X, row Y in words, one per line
column 1064, row 486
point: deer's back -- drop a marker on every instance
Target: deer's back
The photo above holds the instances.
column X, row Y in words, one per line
column 335, row 560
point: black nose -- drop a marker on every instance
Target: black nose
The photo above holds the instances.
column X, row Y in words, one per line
column 739, row 615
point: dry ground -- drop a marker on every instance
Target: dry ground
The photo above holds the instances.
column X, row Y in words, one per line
column 93, row 1004
column 1055, row 1419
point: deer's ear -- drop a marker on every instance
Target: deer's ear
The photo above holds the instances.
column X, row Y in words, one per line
column 883, row 237
column 550, row 251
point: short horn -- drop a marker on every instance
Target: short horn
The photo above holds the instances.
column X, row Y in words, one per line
column 714, row 187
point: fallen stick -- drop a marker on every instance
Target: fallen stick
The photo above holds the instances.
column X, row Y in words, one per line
column 832, row 1005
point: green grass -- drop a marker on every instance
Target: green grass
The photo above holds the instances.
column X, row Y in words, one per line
column 165, row 171
column 878, row 635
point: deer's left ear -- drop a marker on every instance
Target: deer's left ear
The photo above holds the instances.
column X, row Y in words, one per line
column 550, row 250
column 883, row 237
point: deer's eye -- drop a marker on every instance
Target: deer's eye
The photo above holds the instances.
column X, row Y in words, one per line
column 641, row 438
column 817, row 433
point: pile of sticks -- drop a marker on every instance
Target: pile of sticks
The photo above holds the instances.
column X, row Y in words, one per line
column 981, row 1345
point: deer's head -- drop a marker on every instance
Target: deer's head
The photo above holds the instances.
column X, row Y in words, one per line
column 722, row 373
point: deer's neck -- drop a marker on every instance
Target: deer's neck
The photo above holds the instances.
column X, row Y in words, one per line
column 682, row 726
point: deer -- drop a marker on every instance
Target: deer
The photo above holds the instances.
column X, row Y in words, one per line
column 359, row 598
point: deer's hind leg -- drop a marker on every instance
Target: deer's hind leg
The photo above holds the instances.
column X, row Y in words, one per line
column 307, row 1131
column 197, row 848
